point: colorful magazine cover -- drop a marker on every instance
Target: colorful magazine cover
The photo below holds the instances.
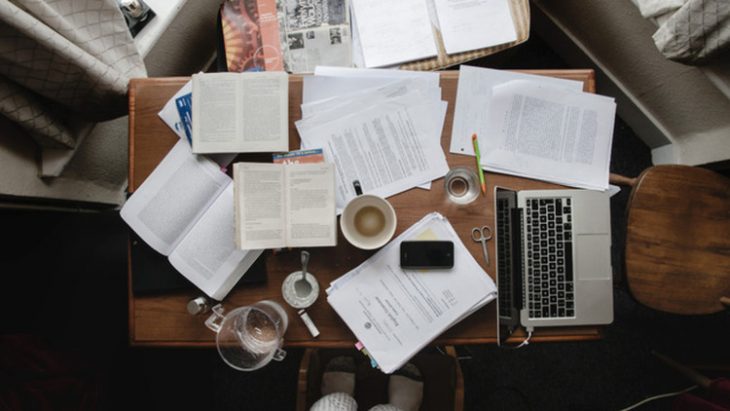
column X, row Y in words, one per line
column 251, row 35
column 300, row 157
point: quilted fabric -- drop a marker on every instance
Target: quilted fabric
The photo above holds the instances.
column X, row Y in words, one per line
column 699, row 32
column 62, row 59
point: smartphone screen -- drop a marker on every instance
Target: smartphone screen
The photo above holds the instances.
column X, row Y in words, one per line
column 427, row 254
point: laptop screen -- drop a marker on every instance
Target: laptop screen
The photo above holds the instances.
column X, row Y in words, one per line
column 509, row 280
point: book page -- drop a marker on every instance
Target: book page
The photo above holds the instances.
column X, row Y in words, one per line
column 216, row 123
column 207, row 254
column 240, row 112
column 474, row 24
column 259, row 201
column 392, row 32
column 310, row 205
column 551, row 134
column 173, row 197
column 264, row 101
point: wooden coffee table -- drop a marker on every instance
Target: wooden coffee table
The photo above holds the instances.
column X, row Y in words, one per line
column 162, row 320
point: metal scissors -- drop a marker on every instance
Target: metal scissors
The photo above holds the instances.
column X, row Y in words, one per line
column 482, row 235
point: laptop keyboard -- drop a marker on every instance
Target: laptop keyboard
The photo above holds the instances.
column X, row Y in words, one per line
column 549, row 249
column 504, row 256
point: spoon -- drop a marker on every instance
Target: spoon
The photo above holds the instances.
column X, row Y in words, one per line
column 302, row 286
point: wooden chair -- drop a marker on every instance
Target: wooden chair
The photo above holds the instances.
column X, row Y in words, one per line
column 677, row 256
column 443, row 384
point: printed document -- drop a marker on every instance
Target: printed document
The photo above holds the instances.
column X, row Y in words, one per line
column 183, row 210
column 388, row 149
column 396, row 312
column 240, row 112
column 393, row 32
column 284, row 205
column 474, row 24
column 473, row 97
column 552, row 134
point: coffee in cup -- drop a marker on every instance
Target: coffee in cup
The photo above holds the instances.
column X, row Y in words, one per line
column 368, row 222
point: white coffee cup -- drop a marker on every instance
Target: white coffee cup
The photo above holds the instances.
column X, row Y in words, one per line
column 368, row 222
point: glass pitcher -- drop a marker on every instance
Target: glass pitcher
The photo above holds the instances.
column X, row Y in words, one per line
column 249, row 337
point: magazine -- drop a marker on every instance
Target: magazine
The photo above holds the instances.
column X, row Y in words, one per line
column 315, row 33
column 251, row 35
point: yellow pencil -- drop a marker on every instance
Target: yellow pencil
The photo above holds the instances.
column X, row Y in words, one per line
column 479, row 160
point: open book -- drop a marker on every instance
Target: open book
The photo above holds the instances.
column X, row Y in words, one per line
column 184, row 210
column 285, row 205
column 387, row 32
column 240, row 112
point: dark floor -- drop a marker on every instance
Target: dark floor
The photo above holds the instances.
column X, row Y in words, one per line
column 63, row 277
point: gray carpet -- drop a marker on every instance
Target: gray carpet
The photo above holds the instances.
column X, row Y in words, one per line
column 64, row 280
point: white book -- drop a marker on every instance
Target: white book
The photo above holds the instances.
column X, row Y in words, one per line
column 184, row 210
column 240, row 112
column 396, row 312
column 284, row 205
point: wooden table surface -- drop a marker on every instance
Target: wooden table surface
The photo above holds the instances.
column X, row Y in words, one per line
column 162, row 320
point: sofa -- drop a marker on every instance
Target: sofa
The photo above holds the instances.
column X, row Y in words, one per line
column 179, row 41
column 682, row 112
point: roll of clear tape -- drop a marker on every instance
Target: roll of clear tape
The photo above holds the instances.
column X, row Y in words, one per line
column 462, row 185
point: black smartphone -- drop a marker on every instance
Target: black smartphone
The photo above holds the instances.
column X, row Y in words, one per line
column 427, row 254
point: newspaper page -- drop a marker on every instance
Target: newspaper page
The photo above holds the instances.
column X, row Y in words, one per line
column 315, row 32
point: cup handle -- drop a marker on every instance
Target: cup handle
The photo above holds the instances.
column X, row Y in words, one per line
column 214, row 321
column 279, row 355
column 358, row 187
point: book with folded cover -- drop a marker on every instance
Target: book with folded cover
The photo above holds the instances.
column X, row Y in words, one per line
column 284, row 205
column 396, row 312
column 184, row 211
column 240, row 112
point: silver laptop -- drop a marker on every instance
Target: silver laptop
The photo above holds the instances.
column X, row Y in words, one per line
column 553, row 258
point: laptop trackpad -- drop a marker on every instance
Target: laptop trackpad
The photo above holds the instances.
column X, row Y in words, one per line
column 593, row 260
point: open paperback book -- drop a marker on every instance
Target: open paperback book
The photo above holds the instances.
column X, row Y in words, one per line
column 285, row 205
column 184, row 210
column 396, row 312
column 240, row 112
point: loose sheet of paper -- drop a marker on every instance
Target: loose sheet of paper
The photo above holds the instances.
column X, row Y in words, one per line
column 388, row 150
column 548, row 133
column 396, row 312
column 393, row 32
column 334, row 92
column 474, row 24
column 473, row 98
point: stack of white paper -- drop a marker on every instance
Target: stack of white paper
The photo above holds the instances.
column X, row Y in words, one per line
column 396, row 312
column 534, row 126
column 380, row 127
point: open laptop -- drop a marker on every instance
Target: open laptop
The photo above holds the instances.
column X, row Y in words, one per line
column 553, row 258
